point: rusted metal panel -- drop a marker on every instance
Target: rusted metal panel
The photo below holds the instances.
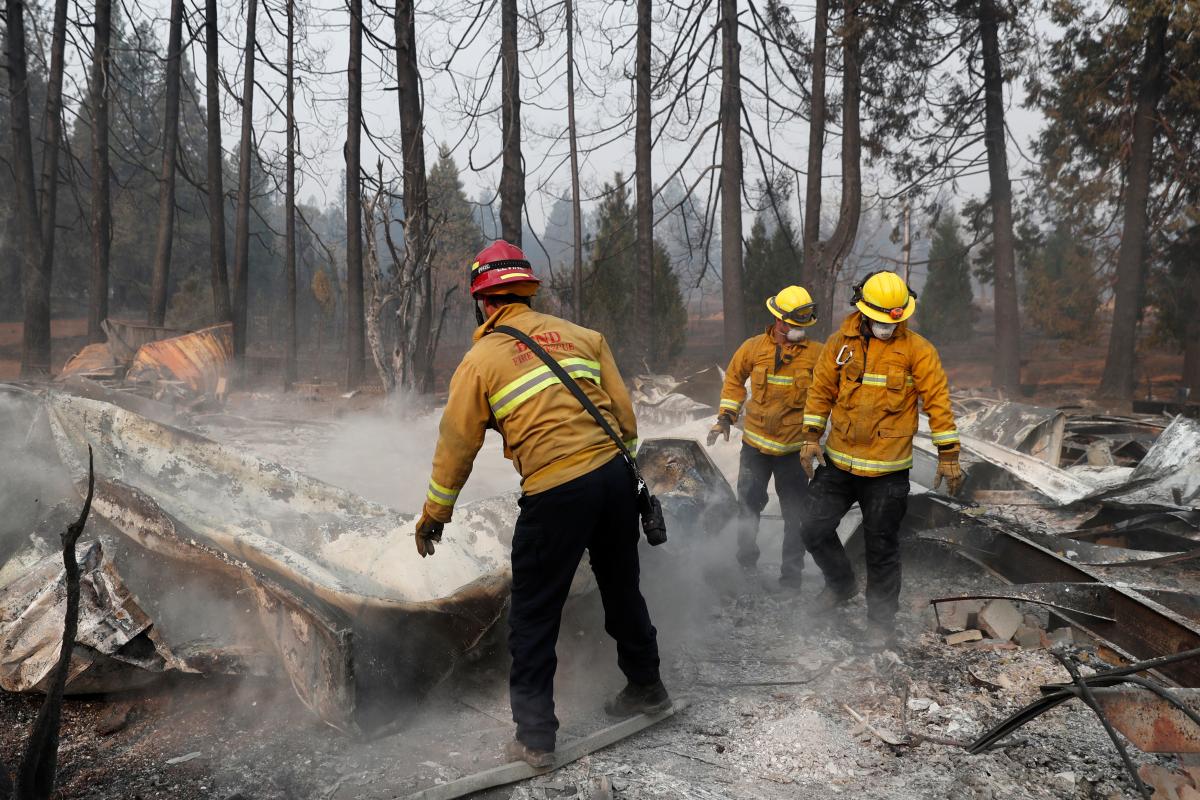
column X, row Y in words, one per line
column 116, row 646
column 126, row 338
column 1152, row 723
column 199, row 360
column 94, row 361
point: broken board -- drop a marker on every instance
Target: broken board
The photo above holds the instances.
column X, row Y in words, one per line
column 519, row 770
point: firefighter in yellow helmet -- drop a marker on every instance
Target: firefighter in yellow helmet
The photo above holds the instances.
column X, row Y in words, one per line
column 779, row 366
column 865, row 391
column 577, row 491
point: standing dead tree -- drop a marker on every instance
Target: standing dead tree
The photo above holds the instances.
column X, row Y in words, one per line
column 101, row 198
column 215, row 164
column 354, row 216
column 643, row 286
column 289, row 358
column 157, row 312
column 512, row 169
column 573, row 135
column 35, row 342
column 241, row 235
column 731, row 177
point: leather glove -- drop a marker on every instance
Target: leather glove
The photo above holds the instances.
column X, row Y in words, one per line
column 429, row 531
column 949, row 469
column 720, row 429
column 810, row 451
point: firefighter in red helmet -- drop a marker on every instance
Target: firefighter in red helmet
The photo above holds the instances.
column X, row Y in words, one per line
column 577, row 492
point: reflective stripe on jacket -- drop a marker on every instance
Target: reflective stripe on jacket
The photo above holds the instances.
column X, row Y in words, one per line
column 869, row 399
column 779, row 379
column 547, row 433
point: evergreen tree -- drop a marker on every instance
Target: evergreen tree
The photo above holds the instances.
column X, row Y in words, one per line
column 771, row 263
column 947, row 311
column 1061, row 290
column 456, row 240
column 608, row 291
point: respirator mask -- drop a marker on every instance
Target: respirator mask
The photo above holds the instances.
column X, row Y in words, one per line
column 796, row 335
column 882, row 330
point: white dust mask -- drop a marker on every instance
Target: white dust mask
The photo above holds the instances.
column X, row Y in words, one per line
column 882, row 330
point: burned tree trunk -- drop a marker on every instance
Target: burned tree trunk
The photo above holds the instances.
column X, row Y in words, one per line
column 415, row 315
column 166, row 185
column 35, row 778
column 216, row 188
column 833, row 253
column 101, row 204
column 52, row 143
column 731, row 178
column 643, row 287
column 289, row 357
column 241, row 233
column 512, row 169
column 1119, row 379
column 1006, row 366
column 354, row 233
column 576, row 209
column 35, row 342
column 809, row 272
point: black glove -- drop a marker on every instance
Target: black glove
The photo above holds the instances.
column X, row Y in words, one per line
column 429, row 531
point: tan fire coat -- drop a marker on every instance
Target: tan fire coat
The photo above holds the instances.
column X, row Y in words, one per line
column 779, row 378
column 548, row 435
column 866, row 390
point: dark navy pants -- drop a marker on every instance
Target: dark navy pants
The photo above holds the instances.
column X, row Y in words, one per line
column 754, row 471
column 884, row 501
column 596, row 512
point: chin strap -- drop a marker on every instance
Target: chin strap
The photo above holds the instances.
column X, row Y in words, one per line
column 479, row 318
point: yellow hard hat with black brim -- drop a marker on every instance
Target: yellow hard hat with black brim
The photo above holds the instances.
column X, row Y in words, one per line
column 795, row 306
column 885, row 297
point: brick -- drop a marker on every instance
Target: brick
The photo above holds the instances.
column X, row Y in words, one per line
column 1000, row 619
column 963, row 636
column 955, row 615
column 1028, row 637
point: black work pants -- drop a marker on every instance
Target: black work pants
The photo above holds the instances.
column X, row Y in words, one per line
column 884, row 501
column 596, row 512
column 754, row 470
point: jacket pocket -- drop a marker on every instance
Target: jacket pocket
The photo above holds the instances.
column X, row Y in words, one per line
column 800, row 387
column 899, row 385
column 758, row 384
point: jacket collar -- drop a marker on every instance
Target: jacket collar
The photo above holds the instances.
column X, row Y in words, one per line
column 503, row 316
column 770, row 334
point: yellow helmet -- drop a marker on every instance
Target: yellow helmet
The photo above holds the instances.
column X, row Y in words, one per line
column 795, row 306
column 884, row 297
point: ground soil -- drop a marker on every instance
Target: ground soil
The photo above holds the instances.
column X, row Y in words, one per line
column 771, row 686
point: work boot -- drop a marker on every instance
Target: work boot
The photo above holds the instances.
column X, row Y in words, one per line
column 516, row 750
column 635, row 699
column 880, row 635
column 831, row 598
column 791, row 584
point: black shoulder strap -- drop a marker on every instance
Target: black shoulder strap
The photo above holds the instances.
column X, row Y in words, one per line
column 570, row 383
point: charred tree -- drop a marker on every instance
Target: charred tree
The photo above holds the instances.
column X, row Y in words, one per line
column 52, row 144
column 1191, row 348
column 35, row 341
column 416, row 320
column 166, row 182
column 354, row 234
column 216, row 189
column 512, row 168
column 643, row 286
column 833, row 252
column 35, row 778
column 731, row 178
column 241, row 232
column 101, row 203
column 576, row 208
column 816, row 152
column 1119, row 378
column 1006, row 365
column 289, row 257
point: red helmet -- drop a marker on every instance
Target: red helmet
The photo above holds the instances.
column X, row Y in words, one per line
column 501, row 268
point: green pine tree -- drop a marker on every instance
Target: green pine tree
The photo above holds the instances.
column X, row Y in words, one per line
column 608, row 295
column 771, row 263
column 947, row 310
column 1062, row 293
